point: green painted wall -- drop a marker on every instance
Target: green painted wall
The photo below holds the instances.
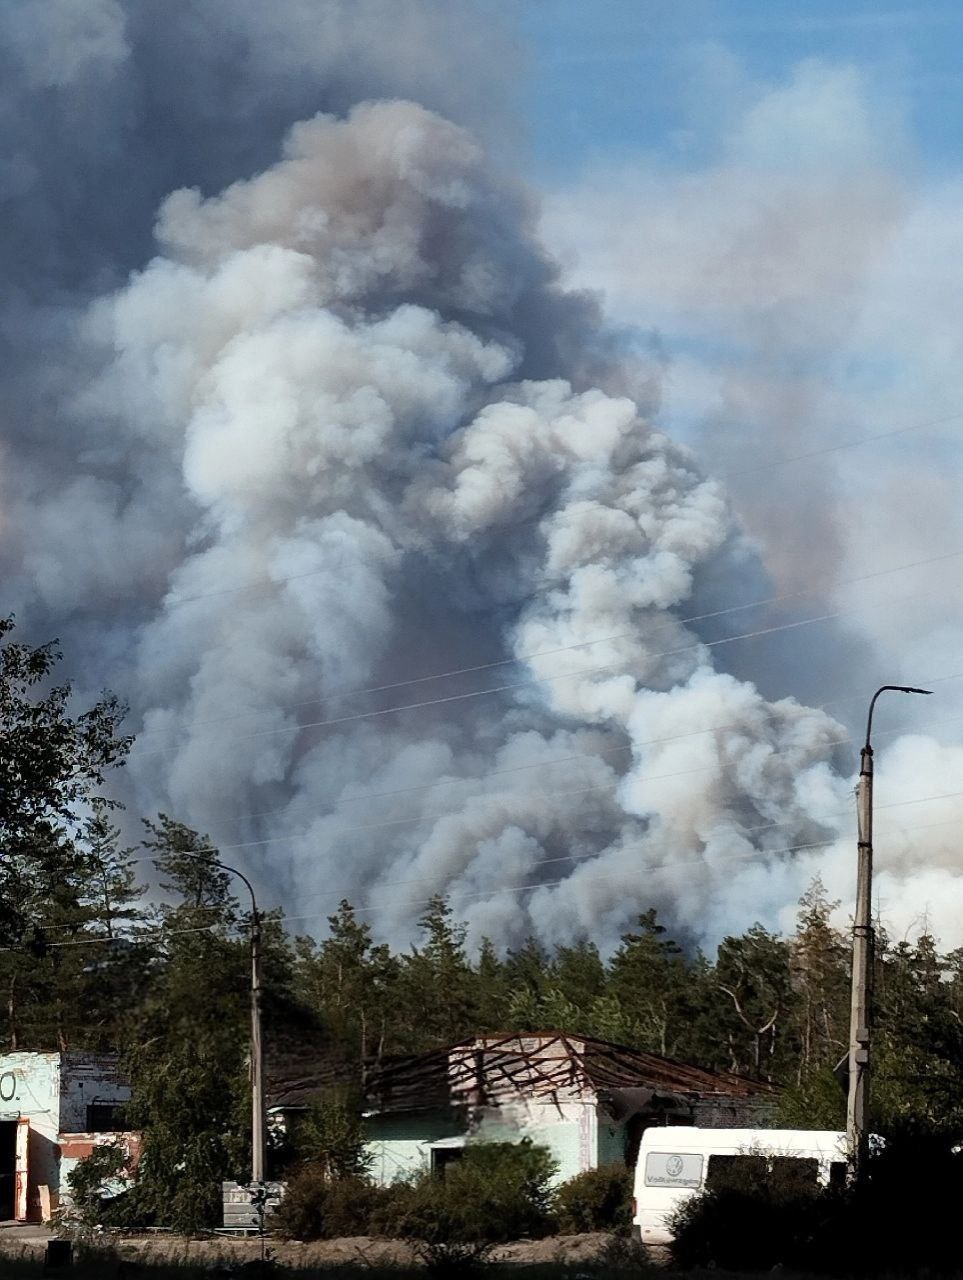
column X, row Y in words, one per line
column 562, row 1140
column 400, row 1145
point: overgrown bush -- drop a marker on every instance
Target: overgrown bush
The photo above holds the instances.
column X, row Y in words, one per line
column 496, row 1192
column 318, row 1207
column 744, row 1229
column 596, row 1200
column 902, row 1218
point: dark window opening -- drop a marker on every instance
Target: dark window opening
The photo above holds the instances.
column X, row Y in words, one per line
column 837, row 1174
column 442, row 1157
column 106, row 1117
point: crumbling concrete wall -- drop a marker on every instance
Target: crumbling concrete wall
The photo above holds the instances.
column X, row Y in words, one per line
column 53, row 1092
column 30, row 1089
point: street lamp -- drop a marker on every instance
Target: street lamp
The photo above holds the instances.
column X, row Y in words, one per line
column 860, row 1017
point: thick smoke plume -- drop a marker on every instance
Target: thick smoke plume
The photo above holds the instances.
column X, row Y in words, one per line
column 334, row 360
column 344, row 431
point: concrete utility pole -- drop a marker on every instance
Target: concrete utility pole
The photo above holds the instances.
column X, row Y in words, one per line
column 258, row 1111
column 258, row 1108
column 861, row 1014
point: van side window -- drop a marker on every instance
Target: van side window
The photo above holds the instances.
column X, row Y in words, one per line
column 837, row 1174
column 736, row 1173
column 794, row 1174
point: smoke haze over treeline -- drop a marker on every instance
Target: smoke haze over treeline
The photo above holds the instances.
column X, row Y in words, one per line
column 300, row 414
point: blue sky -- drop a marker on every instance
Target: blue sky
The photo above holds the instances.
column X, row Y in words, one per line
column 624, row 75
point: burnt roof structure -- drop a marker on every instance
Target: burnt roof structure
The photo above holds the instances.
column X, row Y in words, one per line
column 496, row 1067
column 294, row 1080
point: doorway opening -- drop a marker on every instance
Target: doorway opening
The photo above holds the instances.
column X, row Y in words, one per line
column 8, row 1169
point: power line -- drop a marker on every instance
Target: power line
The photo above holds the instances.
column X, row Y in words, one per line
column 608, row 786
column 747, row 859
column 218, row 847
column 346, row 692
column 567, row 791
column 837, row 448
column 551, row 884
column 532, row 682
column 549, row 761
column 743, row 831
column 176, row 601
column 521, row 684
column 133, row 939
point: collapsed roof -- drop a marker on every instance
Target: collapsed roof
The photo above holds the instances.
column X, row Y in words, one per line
column 495, row 1067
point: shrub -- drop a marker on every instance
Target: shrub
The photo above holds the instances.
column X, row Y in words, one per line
column 904, row 1216
column 596, row 1200
column 496, row 1192
column 318, row 1207
column 747, row 1228
column 901, row 1218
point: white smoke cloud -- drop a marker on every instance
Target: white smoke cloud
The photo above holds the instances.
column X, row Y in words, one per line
column 332, row 359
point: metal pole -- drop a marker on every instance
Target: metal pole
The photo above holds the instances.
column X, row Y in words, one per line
column 258, row 1135
column 861, row 1011
column 859, row 1019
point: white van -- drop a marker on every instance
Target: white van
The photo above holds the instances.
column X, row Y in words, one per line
column 677, row 1162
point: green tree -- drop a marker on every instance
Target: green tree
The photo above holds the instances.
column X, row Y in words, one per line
column 579, row 974
column 492, row 993
column 188, row 1062
column 918, row 1059
column 53, row 762
column 331, row 1136
column 111, row 893
column 649, row 977
column 349, row 982
column 563, row 992
column 819, row 965
column 752, row 972
column 437, row 983
column 189, row 863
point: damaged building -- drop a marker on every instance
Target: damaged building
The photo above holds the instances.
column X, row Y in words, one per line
column 588, row 1101
column 55, row 1108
